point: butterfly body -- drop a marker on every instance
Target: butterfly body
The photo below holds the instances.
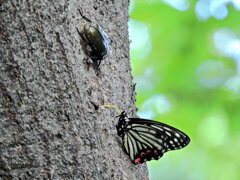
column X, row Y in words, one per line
column 144, row 140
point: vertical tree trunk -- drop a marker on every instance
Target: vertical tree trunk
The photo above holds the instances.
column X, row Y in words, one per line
column 49, row 129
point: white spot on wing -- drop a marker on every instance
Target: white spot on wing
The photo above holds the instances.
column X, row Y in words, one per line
column 130, row 149
column 159, row 128
column 166, row 128
column 126, row 144
column 152, row 137
column 169, row 134
column 177, row 134
column 139, row 145
column 134, row 145
column 137, row 137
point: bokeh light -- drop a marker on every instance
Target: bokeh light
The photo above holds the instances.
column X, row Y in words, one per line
column 216, row 8
column 155, row 105
column 140, row 44
column 211, row 74
column 212, row 131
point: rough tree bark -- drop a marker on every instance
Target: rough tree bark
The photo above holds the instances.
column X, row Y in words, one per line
column 49, row 129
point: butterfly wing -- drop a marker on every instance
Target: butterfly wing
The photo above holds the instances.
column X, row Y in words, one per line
column 145, row 140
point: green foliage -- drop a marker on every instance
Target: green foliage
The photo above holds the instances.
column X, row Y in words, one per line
column 180, row 61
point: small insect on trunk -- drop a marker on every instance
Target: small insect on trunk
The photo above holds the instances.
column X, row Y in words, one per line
column 95, row 41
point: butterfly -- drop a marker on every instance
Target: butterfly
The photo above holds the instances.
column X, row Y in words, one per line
column 144, row 140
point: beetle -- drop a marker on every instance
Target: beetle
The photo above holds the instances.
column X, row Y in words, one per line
column 95, row 39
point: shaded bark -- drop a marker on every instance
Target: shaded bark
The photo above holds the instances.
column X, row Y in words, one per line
column 49, row 129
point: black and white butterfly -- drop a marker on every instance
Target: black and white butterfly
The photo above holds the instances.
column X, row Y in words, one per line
column 144, row 140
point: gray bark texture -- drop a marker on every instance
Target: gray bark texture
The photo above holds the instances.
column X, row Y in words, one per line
column 49, row 129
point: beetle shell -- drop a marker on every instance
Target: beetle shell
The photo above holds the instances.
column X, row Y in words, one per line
column 97, row 40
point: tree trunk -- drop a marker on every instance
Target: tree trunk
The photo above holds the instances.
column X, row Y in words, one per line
column 49, row 127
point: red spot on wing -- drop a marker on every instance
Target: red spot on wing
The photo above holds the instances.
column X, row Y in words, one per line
column 148, row 151
column 155, row 151
column 137, row 160
column 143, row 154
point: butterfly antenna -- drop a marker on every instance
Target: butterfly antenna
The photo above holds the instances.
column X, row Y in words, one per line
column 112, row 106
